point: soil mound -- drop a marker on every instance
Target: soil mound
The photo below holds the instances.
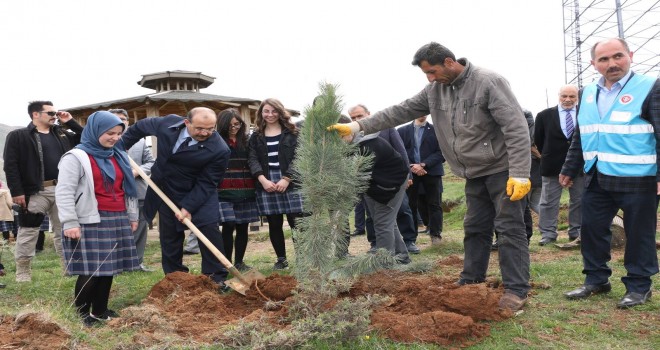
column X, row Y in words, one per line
column 31, row 331
column 420, row 308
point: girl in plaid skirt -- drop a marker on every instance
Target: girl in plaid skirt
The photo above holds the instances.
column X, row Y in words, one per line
column 236, row 194
column 96, row 199
column 270, row 157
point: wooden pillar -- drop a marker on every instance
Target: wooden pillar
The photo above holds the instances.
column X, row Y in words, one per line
column 245, row 114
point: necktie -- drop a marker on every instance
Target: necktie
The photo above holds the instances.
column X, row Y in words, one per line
column 418, row 141
column 569, row 123
column 183, row 144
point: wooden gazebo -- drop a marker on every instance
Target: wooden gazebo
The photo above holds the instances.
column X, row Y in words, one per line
column 176, row 92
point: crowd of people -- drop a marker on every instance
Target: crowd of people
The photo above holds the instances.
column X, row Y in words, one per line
column 600, row 142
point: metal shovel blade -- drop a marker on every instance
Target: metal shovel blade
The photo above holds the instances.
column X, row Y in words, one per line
column 242, row 281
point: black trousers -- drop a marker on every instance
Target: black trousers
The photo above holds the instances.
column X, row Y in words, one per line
column 171, row 244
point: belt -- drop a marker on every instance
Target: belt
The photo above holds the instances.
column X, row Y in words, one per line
column 50, row 183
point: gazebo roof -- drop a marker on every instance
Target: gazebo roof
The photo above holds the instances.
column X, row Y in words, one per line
column 176, row 95
column 153, row 80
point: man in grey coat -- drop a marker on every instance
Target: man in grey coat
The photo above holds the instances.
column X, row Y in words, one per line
column 141, row 155
column 484, row 138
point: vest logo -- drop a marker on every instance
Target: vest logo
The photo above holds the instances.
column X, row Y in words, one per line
column 590, row 98
column 625, row 99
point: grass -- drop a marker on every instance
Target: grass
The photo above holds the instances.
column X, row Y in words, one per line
column 548, row 322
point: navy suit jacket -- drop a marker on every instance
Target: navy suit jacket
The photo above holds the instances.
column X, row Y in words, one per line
column 189, row 178
column 550, row 141
column 429, row 149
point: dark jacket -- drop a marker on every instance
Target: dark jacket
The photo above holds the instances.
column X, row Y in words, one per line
column 258, row 156
column 429, row 149
column 23, row 165
column 551, row 141
column 389, row 170
column 189, row 177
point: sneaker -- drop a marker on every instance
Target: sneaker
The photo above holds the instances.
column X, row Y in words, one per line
column 106, row 316
column 495, row 245
column 436, row 240
column 281, row 264
column 242, row 267
column 145, row 268
column 90, row 321
column 412, row 248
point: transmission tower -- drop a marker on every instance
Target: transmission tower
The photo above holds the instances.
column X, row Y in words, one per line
column 589, row 21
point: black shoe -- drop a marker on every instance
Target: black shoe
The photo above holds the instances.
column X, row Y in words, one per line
column 190, row 252
column 633, row 299
column 546, row 240
column 2, row 285
column 588, row 290
column 463, row 281
column 223, row 287
column 90, row 321
column 403, row 261
column 281, row 264
column 412, row 248
column 357, row 233
column 571, row 239
column 242, row 267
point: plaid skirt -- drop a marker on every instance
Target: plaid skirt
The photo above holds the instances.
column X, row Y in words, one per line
column 238, row 212
column 45, row 225
column 6, row 226
column 104, row 249
column 269, row 203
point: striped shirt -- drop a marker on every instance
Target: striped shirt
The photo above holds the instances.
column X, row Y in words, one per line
column 273, row 144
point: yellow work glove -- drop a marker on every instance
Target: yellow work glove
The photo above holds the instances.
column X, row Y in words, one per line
column 517, row 188
column 345, row 129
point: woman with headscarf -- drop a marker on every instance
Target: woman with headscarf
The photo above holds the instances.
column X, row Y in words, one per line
column 97, row 202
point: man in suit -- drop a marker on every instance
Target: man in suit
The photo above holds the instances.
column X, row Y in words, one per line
column 617, row 143
column 141, row 155
column 190, row 162
column 426, row 161
column 552, row 136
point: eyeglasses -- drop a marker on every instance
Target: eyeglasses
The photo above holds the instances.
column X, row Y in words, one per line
column 206, row 130
column 50, row 113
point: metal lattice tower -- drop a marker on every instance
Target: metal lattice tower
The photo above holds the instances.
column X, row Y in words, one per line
column 589, row 21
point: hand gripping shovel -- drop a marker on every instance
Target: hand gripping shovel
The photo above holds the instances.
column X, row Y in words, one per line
column 241, row 282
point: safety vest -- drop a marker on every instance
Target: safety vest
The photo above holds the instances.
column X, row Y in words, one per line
column 621, row 141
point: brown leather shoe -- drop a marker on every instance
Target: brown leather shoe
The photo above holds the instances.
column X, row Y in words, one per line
column 510, row 301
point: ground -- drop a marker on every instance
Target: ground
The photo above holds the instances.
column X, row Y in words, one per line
column 187, row 309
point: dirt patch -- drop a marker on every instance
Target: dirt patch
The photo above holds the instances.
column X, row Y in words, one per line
column 32, row 331
column 420, row 308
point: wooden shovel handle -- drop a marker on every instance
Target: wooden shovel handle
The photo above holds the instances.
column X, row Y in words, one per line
column 186, row 221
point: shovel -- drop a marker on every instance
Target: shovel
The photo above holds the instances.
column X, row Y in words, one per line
column 241, row 282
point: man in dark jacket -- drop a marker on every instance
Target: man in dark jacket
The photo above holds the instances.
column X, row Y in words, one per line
column 31, row 156
column 190, row 162
column 426, row 161
column 552, row 136
column 404, row 217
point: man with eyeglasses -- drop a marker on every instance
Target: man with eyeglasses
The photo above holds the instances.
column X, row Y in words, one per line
column 190, row 162
column 31, row 157
column 141, row 155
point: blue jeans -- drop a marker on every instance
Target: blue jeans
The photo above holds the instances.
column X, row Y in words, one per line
column 488, row 209
column 639, row 221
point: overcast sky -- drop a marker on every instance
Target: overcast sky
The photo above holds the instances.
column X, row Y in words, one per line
column 81, row 52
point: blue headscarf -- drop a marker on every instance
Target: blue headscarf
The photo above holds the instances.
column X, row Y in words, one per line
column 97, row 124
